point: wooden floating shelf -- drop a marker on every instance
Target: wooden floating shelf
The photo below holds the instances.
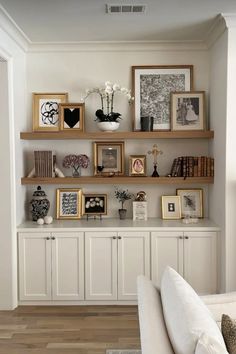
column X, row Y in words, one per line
column 118, row 180
column 207, row 134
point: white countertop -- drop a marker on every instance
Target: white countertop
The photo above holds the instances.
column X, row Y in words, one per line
column 108, row 224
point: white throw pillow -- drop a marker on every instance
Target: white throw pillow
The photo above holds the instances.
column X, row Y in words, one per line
column 186, row 316
column 208, row 345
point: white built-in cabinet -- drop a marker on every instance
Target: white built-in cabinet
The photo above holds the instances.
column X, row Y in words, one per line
column 192, row 254
column 113, row 260
column 51, row 266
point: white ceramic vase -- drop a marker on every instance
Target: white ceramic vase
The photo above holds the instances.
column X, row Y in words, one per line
column 108, row 126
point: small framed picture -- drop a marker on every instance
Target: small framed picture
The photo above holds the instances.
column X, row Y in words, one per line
column 94, row 204
column 171, row 208
column 188, row 111
column 139, row 210
column 152, row 85
column 71, row 116
column 46, row 110
column 137, row 165
column 69, row 203
column 191, row 202
column 109, row 158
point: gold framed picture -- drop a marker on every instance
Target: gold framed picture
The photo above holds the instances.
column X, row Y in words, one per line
column 191, row 202
column 71, row 116
column 137, row 165
column 188, row 111
column 94, row 204
column 171, row 207
column 151, row 88
column 69, row 203
column 46, row 110
column 109, row 158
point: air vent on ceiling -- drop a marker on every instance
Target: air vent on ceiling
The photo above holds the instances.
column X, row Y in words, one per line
column 119, row 9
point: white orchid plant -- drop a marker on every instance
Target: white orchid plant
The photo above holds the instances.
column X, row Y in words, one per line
column 107, row 93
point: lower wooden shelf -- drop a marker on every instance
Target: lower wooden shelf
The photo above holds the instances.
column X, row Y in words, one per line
column 118, row 180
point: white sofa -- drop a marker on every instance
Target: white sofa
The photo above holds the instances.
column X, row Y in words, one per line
column 153, row 331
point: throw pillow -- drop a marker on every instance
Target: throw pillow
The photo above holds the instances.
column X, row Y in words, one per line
column 208, row 345
column 228, row 328
column 186, row 316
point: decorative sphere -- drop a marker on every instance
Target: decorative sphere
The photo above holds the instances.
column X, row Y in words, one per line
column 40, row 221
column 48, row 219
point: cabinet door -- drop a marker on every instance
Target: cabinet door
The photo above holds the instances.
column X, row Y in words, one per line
column 67, row 266
column 200, row 261
column 101, row 265
column 133, row 260
column 166, row 250
column 35, row 266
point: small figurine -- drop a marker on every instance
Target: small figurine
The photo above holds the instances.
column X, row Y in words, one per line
column 155, row 152
column 141, row 197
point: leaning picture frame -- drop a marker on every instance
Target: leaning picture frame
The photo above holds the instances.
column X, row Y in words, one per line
column 94, row 204
column 46, row 110
column 191, row 202
column 69, row 203
column 188, row 111
column 151, row 88
column 137, row 165
column 109, row 158
column 171, row 207
column 71, row 116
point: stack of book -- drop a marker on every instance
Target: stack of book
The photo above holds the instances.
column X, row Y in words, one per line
column 192, row 166
column 44, row 163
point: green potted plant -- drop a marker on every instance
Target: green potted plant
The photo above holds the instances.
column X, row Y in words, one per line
column 122, row 195
column 106, row 118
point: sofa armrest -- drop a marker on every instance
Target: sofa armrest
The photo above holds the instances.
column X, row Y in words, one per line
column 221, row 303
column 153, row 333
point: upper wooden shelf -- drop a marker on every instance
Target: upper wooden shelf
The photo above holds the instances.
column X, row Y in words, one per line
column 118, row 180
column 207, row 134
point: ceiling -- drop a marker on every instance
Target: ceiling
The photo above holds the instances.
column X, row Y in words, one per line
column 86, row 20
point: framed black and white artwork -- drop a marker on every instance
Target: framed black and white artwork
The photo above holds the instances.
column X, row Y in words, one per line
column 69, row 203
column 94, row 204
column 71, row 116
column 191, row 202
column 152, row 86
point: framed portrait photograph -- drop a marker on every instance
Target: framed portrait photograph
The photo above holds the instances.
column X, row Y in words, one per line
column 109, row 158
column 94, row 204
column 191, row 202
column 188, row 111
column 71, row 116
column 171, row 207
column 69, row 203
column 46, row 110
column 137, row 165
column 152, row 86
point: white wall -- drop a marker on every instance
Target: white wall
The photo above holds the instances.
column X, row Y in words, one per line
column 74, row 71
column 12, row 93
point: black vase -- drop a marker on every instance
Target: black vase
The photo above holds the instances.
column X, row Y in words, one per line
column 147, row 124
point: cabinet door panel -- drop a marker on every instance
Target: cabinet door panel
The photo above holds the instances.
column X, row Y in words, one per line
column 35, row 266
column 68, row 266
column 166, row 250
column 200, row 261
column 101, row 265
column 133, row 260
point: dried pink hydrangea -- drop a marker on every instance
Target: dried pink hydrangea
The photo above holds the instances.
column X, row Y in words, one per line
column 81, row 160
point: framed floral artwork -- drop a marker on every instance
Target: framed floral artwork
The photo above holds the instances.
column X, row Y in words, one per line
column 171, row 208
column 69, row 203
column 46, row 110
column 152, row 86
column 109, row 158
column 71, row 116
column 188, row 110
column 191, row 202
column 94, row 204
column 137, row 165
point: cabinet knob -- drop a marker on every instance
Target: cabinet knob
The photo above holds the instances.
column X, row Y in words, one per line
column 186, row 237
column 181, row 237
column 53, row 238
column 119, row 237
column 114, row 237
column 47, row 238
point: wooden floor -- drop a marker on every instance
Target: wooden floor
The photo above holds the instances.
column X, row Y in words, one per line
column 68, row 329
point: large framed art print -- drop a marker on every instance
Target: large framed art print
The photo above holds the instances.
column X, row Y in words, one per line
column 152, row 86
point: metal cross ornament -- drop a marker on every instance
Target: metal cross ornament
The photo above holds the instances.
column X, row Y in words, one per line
column 155, row 152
